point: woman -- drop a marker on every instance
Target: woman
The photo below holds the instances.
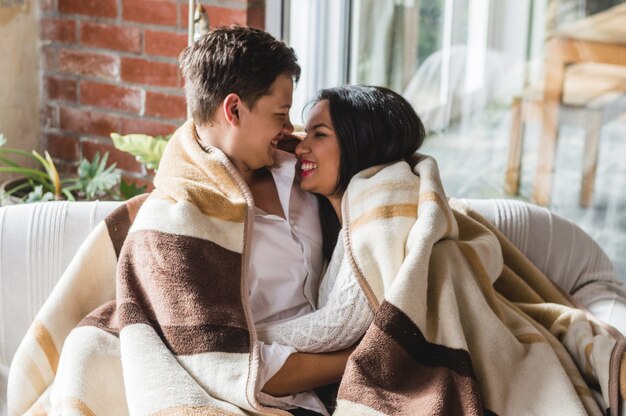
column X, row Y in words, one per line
column 443, row 340
column 374, row 113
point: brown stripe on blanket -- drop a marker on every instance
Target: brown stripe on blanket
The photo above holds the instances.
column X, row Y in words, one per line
column 385, row 212
column 33, row 374
column 187, row 285
column 45, row 341
column 181, row 340
column 194, row 411
column 104, row 318
column 397, row 372
column 72, row 404
column 482, row 277
column 190, row 339
column 119, row 221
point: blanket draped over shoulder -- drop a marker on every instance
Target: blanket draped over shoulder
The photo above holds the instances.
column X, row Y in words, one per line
column 152, row 316
column 463, row 323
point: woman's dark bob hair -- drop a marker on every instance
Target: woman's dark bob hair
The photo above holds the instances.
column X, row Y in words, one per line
column 374, row 126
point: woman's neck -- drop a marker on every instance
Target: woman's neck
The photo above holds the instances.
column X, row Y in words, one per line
column 335, row 202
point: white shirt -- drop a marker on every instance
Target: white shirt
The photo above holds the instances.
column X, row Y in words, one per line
column 284, row 268
column 286, row 253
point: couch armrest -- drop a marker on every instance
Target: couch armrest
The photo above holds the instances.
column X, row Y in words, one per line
column 37, row 242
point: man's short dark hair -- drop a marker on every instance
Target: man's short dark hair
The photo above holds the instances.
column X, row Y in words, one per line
column 233, row 59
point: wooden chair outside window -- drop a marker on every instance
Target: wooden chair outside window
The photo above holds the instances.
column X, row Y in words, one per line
column 584, row 84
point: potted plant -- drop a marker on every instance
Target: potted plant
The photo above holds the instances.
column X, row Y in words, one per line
column 146, row 149
column 94, row 179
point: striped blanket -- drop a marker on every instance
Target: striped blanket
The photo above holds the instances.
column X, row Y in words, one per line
column 464, row 323
column 153, row 317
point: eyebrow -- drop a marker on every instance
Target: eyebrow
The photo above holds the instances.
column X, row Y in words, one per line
column 316, row 126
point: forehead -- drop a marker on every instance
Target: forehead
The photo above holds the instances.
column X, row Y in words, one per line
column 280, row 93
column 320, row 113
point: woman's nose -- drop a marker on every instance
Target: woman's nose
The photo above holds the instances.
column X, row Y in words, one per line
column 301, row 148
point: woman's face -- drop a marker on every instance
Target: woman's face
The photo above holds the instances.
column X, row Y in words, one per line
column 319, row 153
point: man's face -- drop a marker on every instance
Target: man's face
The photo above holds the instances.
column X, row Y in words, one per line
column 264, row 125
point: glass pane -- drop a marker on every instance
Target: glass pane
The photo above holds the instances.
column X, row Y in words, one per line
column 471, row 68
column 317, row 30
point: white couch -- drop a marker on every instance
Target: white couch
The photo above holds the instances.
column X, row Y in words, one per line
column 37, row 242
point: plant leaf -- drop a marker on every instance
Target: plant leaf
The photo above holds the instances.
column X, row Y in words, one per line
column 41, row 160
column 129, row 190
column 68, row 194
column 146, row 149
column 95, row 178
column 51, row 170
column 32, row 174
column 17, row 152
column 38, row 195
column 17, row 188
column 8, row 162
column 54, row 176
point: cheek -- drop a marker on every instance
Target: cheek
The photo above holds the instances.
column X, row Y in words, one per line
column 336, row 176
column 337, row 160
column 332, row 176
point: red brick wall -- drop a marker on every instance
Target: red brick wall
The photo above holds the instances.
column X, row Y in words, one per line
column 111, row 66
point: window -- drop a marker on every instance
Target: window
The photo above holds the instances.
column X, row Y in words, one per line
column 419, row 48
column 460, row 63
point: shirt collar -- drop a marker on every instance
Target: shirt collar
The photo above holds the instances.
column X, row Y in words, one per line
column 284, row 165
column 284, row 172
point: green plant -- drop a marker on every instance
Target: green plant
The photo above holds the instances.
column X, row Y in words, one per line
column 146, row 149
column 129, row 190
column 94, row 179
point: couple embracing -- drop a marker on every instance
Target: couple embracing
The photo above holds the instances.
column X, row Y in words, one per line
column 334, row 278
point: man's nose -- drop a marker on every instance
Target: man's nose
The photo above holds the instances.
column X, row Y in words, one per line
column 287, row 127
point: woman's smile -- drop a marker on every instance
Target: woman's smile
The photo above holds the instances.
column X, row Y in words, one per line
column 307, row 167
column 319, row 153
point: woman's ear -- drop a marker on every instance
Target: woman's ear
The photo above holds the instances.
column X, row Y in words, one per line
column 231, row 106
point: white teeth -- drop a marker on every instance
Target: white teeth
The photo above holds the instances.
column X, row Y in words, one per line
column 308, row 166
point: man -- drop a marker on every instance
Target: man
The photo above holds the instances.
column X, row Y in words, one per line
column 245, row 114
column 227, row 239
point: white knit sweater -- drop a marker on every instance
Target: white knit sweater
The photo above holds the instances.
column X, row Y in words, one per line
column 558, row 247
column 342, row 317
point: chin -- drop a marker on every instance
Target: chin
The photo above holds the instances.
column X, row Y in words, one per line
column 303, row 186
column 306, row 186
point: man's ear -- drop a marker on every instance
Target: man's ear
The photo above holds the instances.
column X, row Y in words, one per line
column 232, row 104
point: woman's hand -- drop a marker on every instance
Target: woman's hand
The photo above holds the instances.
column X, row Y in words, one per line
column 303, row 371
